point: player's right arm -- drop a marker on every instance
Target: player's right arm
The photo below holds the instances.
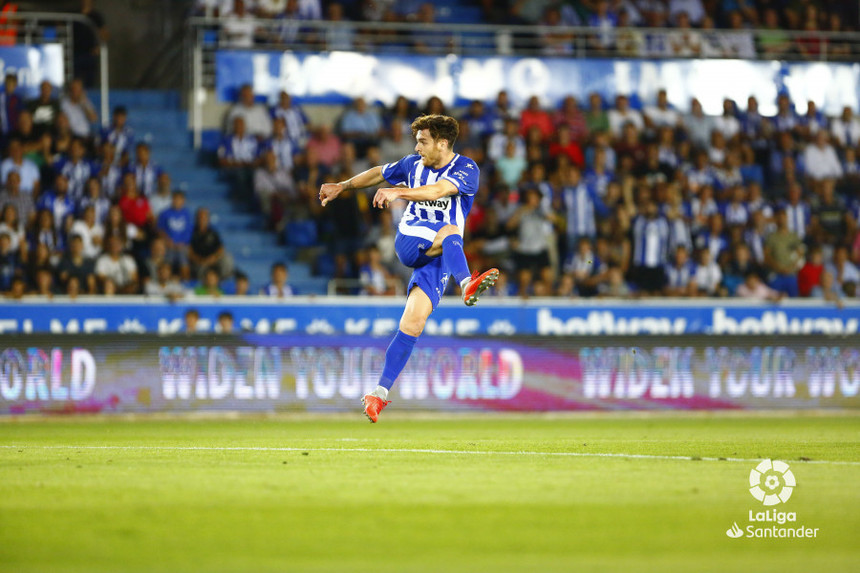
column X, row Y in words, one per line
column 369, row 178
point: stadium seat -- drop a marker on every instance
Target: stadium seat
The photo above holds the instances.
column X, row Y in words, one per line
column 301, row 234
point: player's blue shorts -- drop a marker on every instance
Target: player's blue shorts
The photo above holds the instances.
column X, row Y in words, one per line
column 428, row 273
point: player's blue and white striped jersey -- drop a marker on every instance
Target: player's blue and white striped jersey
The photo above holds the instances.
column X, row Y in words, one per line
column 453, row 209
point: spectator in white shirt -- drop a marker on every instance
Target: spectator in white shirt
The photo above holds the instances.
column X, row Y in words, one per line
column 28, row 170
column 821, row 160
column 79, row 109
column 708, row 274
column 698, row 125
column 163, row 197
column 164, row 284
column 846, row 128
column 738, row 42
column 498, row 142
column 623, row 114
column 842, row 269
column 258, row 122
column 238, row 27
column 694, row 10
column 712, row 41
column 727, row 124
column 685, row 42
column 660, row 114
column 270, row 8
column 310, row 9
column 90, row 231
column 115, row 270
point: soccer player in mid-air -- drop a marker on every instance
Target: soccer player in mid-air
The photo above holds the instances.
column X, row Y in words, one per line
column 440, row 186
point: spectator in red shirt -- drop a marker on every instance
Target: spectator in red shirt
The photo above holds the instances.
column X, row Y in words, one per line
column 567, row 146
column 571, row 116
column 809, row 275
column 535, row 116
column 134, row 206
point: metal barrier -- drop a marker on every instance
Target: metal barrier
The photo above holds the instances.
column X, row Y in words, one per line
column 36, row 28
column 210, row 34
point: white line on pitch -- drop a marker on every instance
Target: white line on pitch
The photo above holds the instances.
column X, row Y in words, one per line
column 424, row 451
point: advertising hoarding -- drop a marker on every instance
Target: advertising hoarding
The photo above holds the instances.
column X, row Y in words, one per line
column 271, row 373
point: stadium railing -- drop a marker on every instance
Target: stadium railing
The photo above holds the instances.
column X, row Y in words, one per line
column 40, row 28
column 543, row 41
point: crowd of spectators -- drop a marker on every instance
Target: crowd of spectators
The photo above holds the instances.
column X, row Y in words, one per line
column 626, row 28
column 599, row 199
column 85, row 211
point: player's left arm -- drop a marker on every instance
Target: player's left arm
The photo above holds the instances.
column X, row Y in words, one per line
column 442, row 188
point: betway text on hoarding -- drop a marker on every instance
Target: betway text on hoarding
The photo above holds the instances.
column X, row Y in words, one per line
column 551, row 317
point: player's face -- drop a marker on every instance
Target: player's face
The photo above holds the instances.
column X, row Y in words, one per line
column 428, row 148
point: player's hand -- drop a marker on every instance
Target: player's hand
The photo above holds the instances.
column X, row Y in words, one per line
column 384, row 197
column 329, row 191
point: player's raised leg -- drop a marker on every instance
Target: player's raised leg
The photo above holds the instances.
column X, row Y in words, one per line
column 449, row 244
column 418, row 309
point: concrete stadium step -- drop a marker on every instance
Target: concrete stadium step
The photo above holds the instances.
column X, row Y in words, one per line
column 157, row 138
column 226, row 217
column 215, row 202
column 248, row 240
column 239, row 222
column 316, row 285
column 157, row 118
column 198, row 175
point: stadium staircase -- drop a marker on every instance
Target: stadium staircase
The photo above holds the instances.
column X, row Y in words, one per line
column 158, row 119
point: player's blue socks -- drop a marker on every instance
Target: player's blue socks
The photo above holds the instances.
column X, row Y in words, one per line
column 396, row 358
column 454, row 258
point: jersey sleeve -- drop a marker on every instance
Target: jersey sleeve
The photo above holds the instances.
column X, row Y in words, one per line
column 397, row 173
column 465, row 176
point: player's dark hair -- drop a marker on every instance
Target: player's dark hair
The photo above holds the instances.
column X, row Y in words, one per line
column 439, row 126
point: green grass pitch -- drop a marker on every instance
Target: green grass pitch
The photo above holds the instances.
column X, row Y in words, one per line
column 421, row 493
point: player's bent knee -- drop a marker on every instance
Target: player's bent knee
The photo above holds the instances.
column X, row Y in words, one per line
column 436, row 248
column 447, row 231
column 412, row 326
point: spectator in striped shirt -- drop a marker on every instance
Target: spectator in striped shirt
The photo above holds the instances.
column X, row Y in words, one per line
column 680, row 275
column 278, row 287
column 650, row 245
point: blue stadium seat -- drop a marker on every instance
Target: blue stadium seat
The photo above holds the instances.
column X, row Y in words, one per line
column 301, row 234
column 325, row 265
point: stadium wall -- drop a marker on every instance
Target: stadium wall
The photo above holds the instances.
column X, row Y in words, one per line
column 69, row 358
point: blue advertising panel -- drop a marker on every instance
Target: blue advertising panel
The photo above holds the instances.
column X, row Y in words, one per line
column 33, row 65
column 337, row 77
column 361, row 317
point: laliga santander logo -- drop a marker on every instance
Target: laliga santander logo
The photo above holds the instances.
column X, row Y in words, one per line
column 771, row 482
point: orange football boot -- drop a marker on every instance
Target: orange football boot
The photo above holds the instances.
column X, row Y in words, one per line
column 373, row 405
column 478, row 284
